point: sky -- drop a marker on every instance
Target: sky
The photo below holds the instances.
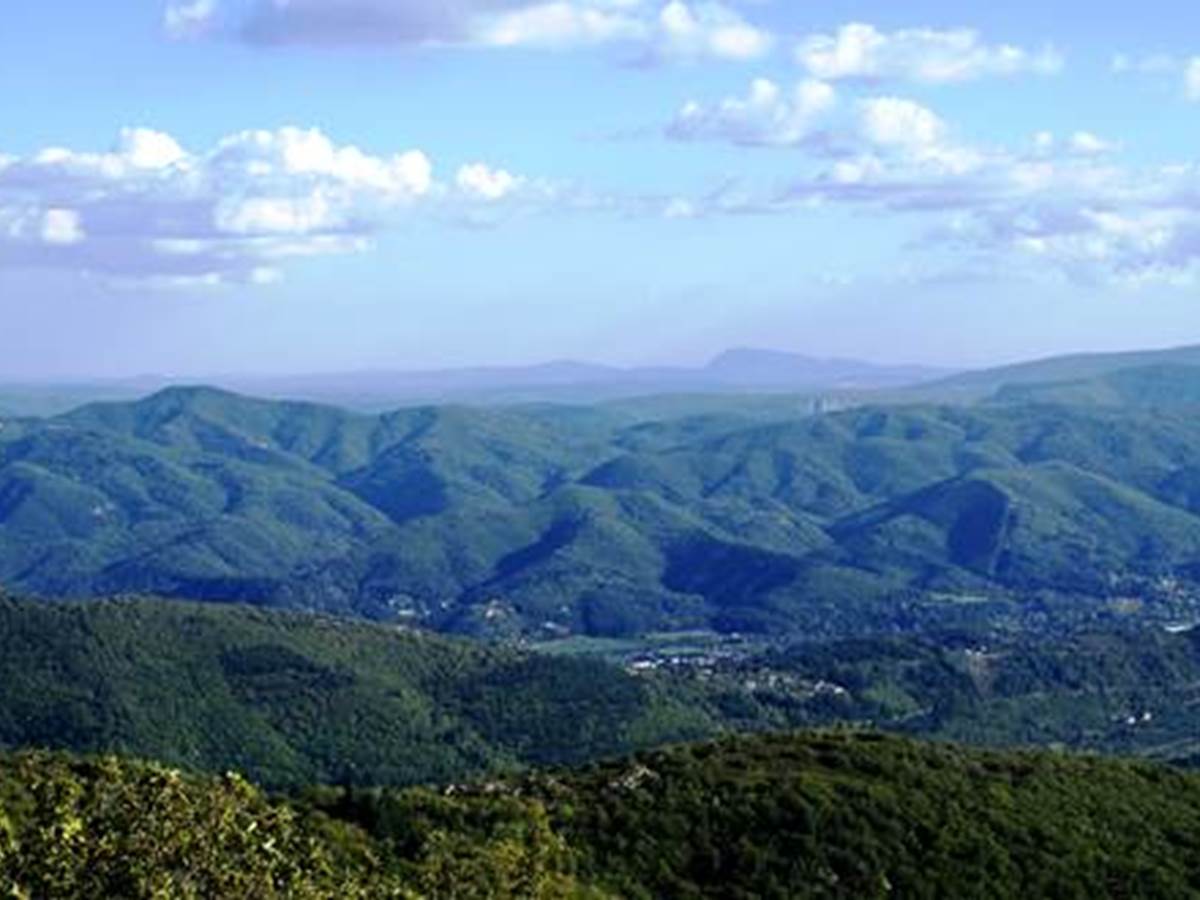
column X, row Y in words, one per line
column 266, row 186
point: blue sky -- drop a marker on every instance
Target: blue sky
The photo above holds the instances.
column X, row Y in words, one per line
column 218, row 186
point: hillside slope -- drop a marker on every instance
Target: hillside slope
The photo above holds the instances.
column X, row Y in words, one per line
column 549, row 521
column 977, row 384
column 290, row 699
column 846, row 815
column 821, row 815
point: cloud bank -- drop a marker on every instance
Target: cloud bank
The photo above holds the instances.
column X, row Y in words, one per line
column 652, row 31
column 1061, row 206
column 150, row 210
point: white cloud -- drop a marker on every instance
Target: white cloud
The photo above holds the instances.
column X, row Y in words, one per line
column 899, row 122
column 1154, row 64
column 1187, row 71
column 61, row 227
column 1191, row 79
column 680, row 208
column 766, row 115
column 560, row 24
column 144, row 148
column 264, row 275
column 915, row 135
column 189, row 18
column 708, row 30
column 151, row 211
column 861, row 51
column 1085, row 143
column 1057, row 207
column 675, row 30
column 480, row 180
column 652, row 30
column 1080, row 143
column 278, row 215
column 309, row 153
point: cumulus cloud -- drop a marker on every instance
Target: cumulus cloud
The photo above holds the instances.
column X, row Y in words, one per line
column 652, row 31
column 151, row 211
column 1065, row 211
column 708, row 30
column 768, row 114
column 863, row 52
column 894, row 121
column 1061, row 206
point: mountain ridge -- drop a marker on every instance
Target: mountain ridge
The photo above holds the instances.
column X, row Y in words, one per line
column 563, row 520
column 978, row 383
column 376, row 390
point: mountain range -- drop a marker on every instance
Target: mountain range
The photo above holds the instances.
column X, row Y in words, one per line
column 735, row 371
column 754, row 514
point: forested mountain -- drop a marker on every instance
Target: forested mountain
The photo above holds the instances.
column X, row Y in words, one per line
column 978, row 384
column 816, row 815
column 549, row 520
column 1161, row 385
column 291, row 699
column 1020, row 571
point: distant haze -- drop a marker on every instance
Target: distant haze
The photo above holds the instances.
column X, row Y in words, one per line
column 742, row 370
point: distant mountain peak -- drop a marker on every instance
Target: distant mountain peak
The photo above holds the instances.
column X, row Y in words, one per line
column 757, row 367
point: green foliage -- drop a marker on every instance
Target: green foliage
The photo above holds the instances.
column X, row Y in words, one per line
column 548, row 521
column 826, row 814
column 1116, row 690
column 103, row 828
column 292, row 699
column 850, row 815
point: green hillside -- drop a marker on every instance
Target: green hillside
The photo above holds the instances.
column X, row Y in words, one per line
column 978, row 384
column 1108, row 689
column 820, row 815
column 846, row 815
column 292, row 699
column 551, row 521
column 1162, row 385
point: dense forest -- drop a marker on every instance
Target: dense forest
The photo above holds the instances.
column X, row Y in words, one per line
column 293, row 699
column 787, row 816
column 674, row 588
column 629, row 517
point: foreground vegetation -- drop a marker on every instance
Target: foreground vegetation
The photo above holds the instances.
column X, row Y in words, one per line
column 106, row 828
column 816, row 815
